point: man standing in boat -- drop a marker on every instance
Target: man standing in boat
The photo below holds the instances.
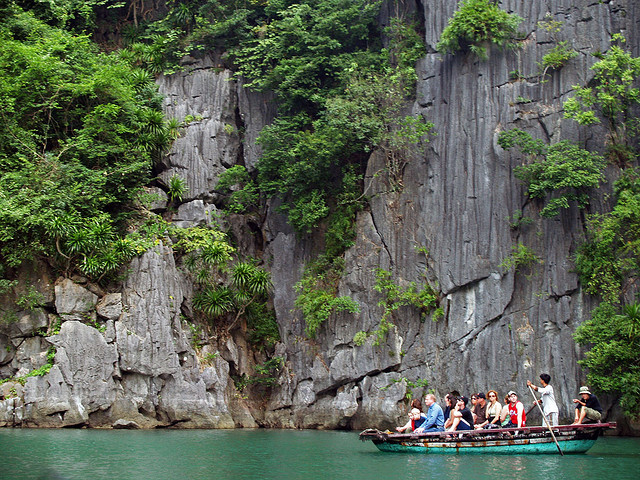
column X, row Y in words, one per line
column 588, row 408
column 548, row 399
column 435, row 416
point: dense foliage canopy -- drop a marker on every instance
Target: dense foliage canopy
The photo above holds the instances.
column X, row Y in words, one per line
column 80, row 130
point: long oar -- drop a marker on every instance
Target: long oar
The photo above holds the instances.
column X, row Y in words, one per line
column 531, row 409
column 546, row 420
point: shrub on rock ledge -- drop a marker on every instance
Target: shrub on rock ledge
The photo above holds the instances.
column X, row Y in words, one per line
column 476, row 23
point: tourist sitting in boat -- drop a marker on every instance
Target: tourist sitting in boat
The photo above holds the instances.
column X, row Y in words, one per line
column 480, row 410
column 435, row 417
column 547, row 398
column 504, row 413
column 462, row 416
column 493, row 411
column 473, row 406
column 416, row 419
column 517, row 415
column 450, row 401
column 448, row 406
column 588, row 408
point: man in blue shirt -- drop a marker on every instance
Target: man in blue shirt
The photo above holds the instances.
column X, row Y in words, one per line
column 435, row 416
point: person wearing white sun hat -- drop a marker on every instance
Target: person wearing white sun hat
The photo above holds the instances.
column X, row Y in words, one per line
column 588, row 408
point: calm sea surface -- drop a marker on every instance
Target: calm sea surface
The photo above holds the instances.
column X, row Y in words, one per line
column 279, row 454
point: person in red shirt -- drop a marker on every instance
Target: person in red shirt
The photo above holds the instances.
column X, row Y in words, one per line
column 517, row 415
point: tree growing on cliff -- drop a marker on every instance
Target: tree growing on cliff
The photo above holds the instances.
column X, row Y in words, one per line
column 613, row 359
column 608, row 262
column 228, row 288
column 318, row 293
column 341, row 95
column 612, row 96
column 477, row 23
column 394, row 296
column 80, row 132
column 559, row 173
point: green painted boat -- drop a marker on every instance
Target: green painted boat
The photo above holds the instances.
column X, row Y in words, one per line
column 511, row 441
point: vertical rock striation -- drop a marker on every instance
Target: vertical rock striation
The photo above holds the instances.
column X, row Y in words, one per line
column 125, row 358
column 501, row 327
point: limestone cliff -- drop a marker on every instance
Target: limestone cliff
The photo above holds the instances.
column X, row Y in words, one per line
column 458, row 200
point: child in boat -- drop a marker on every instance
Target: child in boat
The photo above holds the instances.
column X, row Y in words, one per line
column 416, row 419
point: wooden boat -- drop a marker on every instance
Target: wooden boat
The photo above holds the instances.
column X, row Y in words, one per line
column 514, row 441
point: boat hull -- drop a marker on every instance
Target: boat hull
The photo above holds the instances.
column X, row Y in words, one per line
column 495, row 448
column 527, row 440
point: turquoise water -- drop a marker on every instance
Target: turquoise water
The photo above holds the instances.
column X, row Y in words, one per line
column 278, row 454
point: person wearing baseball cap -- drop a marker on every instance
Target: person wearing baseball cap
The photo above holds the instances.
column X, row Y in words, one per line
column 517, row 415
column 588, row 408
column 480, row 410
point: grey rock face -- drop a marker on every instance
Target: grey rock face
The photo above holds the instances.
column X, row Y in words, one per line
column 28, row 324
column 195, row 213
column 87, row 363
column 204, row 95
column 151, row 301
column 500, row 327
column 140, row 372
column 6, row 350
column 80, row 382
column 74, row 302
column 30, row 353
column 110, row 306
column 256, row 110
column 47, row 399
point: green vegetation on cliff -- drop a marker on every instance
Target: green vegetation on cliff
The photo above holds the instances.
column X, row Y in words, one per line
column 558, row 173
column 423, row 297
column 80, row 132
column 609, row 267
column 608, row 262
column 228, row 288
column 612, row 98
column 82, row 128
column 341, row 95
column 477, row 23
column 79, row 150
